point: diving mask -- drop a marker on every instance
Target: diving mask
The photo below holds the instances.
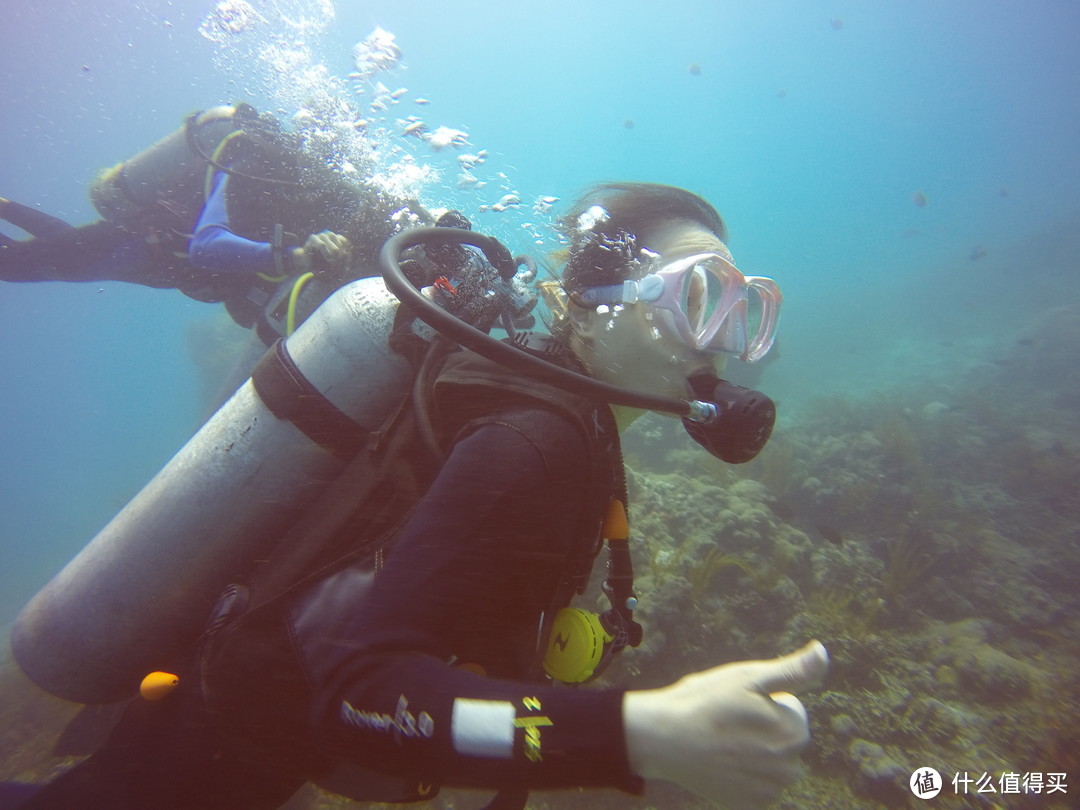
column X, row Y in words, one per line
column 706, row 302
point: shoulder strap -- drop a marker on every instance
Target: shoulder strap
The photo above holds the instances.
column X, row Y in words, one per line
column 465, row 372
column 357, row 513
column 457, row 392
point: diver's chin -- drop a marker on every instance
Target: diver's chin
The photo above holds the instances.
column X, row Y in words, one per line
column 702, row 370
column 707, row 369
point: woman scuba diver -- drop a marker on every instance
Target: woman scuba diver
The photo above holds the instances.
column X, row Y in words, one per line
column 419, row 646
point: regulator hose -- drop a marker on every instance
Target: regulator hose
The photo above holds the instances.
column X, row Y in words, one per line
column 503, row 353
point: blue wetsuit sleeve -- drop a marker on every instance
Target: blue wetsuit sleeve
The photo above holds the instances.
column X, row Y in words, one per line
column 214, row 246
column 466, row 578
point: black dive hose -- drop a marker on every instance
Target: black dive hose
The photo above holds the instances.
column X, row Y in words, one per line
column 503, row 353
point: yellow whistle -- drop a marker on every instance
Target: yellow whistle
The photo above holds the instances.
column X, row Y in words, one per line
column 157, row 685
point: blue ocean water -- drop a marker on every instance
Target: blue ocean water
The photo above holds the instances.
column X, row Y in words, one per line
column 907, row 171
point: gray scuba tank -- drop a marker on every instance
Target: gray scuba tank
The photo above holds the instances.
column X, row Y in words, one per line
column 170, row 169
column 141, row 591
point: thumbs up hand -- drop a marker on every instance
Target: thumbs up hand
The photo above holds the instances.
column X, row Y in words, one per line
column 731, row 734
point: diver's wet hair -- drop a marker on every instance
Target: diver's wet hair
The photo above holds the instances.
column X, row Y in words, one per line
column 605, row 225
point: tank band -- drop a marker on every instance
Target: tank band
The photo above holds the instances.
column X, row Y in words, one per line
column 289, row 395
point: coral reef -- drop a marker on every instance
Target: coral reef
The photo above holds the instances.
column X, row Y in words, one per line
column 927, row 535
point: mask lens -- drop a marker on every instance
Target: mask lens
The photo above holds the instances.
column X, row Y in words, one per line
column 702, row 297
column 755, row 312
column 762, row 316
column 696, row 297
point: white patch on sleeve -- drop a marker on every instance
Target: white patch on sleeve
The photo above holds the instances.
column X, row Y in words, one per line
column 483, row 728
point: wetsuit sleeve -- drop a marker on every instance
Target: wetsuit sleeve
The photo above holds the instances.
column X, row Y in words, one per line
column 215, row 247
column 478, row 542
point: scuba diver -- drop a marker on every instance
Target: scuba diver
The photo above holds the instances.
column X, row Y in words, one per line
column 228, row 208
column 409, row 625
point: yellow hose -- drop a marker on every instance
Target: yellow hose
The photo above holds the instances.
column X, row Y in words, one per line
column 294, row 296
column 216, row 158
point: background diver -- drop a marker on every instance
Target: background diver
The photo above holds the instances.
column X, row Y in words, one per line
column 228, row 208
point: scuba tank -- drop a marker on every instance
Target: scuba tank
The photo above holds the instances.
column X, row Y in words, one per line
column 141, row 590
column 170, row 172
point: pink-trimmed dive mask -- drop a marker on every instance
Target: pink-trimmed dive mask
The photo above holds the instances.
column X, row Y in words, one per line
column 704, row 301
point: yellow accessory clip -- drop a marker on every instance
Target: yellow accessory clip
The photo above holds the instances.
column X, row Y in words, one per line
column 157, row 685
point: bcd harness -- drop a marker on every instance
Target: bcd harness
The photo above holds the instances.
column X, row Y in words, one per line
column 357, row 517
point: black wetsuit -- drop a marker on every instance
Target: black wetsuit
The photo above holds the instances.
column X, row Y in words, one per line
column 100, row 251
column 483, row 554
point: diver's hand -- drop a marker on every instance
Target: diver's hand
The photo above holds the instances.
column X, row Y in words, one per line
column 322, row 251
column 719, row 733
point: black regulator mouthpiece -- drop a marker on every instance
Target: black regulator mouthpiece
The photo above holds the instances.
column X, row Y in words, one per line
column 743, row 423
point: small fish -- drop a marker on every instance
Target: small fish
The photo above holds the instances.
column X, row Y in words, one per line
column 694, row 68
column 782, row 510
column 467, row 180
column 919, row 199
column 830, row 533
column 445, row 136
column 468, row 161
column 543, row 204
